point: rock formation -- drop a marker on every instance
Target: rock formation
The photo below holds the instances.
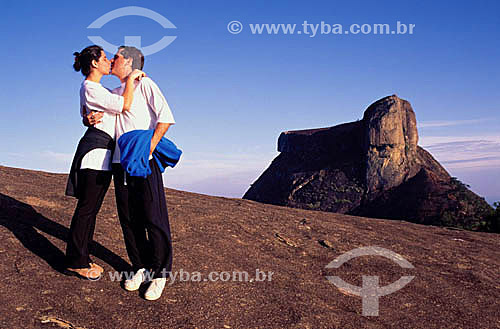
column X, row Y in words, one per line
column 372, row 167
column 390, row 144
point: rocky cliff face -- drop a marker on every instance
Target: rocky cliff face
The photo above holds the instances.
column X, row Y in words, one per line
column 373, row 167
column 391, row 140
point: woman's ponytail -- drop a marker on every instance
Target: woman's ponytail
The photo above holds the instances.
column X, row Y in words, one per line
column 77, row 65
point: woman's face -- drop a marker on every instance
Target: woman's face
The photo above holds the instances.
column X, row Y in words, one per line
column 104, row 64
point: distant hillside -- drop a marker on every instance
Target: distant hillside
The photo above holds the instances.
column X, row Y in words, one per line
column 455, row 285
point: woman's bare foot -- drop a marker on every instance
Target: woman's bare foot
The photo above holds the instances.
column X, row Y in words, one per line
column 98, row 267
column 89, row 273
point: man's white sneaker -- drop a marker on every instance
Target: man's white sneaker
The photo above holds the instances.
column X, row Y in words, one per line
column 155, row 289
column 135, row 281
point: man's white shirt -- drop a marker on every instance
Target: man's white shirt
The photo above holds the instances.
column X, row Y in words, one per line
column 148, row 108
column 94, row 97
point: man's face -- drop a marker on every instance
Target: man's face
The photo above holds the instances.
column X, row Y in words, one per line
column 121, row 66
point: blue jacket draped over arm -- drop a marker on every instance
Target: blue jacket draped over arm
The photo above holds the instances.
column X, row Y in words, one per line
column 135, row 146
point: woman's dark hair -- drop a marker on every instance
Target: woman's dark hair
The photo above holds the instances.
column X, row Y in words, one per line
column 83, row 59
column 136, row 54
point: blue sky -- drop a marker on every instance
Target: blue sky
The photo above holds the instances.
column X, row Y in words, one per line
column 233, row 94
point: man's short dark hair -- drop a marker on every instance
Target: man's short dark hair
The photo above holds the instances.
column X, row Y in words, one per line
column 136, row 54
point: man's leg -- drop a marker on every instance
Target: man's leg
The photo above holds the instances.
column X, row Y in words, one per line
column 134, row 232
column 151, row 193
column 93, row 185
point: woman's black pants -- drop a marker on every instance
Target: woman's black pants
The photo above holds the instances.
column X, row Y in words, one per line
column 92, row 185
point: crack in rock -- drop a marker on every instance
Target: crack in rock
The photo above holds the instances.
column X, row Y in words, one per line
column 285, row 240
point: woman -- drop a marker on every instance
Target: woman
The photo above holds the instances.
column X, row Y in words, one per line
column 90, row 173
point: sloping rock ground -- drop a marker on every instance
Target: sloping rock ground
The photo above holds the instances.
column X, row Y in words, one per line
column 455, row 286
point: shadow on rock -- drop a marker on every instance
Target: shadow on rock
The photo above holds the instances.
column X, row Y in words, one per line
column 25, row 222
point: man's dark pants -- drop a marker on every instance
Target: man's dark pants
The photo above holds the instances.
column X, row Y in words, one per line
column 142, row 210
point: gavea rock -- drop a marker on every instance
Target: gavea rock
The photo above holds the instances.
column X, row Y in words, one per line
column 371, row 167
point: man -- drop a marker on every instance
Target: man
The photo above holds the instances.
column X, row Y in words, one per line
column 141, row 203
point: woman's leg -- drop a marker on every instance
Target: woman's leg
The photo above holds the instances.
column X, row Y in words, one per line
column 93, row 185
column 103, row 179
